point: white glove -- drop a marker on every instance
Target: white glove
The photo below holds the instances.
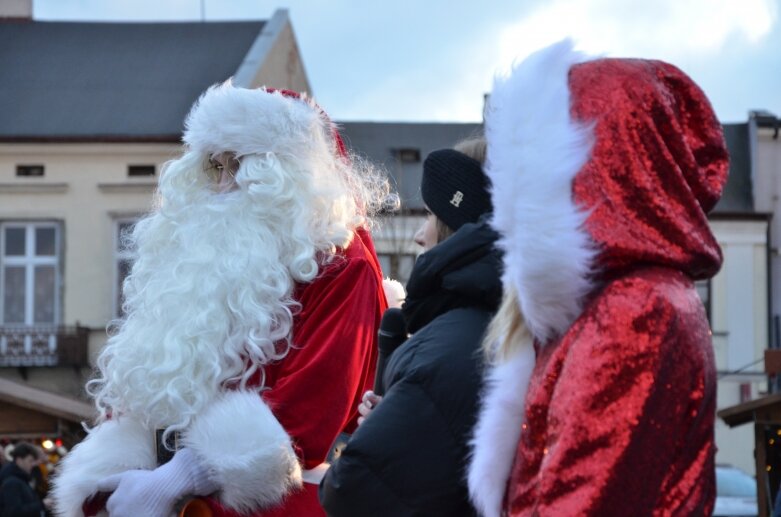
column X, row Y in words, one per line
column 367, row 405
column 154, row 493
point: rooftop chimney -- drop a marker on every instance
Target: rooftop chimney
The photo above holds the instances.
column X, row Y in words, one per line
column 19, row 9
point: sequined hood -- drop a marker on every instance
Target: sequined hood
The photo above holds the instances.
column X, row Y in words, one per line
column 599, row 167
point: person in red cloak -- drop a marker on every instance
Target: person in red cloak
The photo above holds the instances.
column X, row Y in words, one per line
column 601, row 399
column 251, row 321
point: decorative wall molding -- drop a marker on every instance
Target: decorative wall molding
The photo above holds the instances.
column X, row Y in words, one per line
column 33, row 188
column 134, row 187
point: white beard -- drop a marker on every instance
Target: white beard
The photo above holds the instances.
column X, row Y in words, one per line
column 209, row 299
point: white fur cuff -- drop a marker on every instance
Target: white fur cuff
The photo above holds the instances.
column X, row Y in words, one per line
column 247, row 452
column 113, row 447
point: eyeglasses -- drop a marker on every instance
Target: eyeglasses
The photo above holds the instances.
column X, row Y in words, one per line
column 219, row 164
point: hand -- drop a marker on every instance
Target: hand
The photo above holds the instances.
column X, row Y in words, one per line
column 367, row 405
column 138, row 492
column 153, row 493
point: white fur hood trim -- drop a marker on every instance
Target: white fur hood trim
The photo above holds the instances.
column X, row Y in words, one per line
column 113, row 447
column 498, row 430
column 534, row 152
column 246, row 450
column 245, row 121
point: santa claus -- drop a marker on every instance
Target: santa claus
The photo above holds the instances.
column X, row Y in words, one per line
column 251, row 317
column 603, row 392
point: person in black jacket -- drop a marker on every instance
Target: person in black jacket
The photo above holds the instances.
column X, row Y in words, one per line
column 17, row 498
column 409, row 455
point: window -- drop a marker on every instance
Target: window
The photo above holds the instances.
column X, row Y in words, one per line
column 29, row 170
column 385, row 264
column 407, row 155
column 29, row 274
column 704, row 290
column 140, row 170
column 397, row 266
column 123, row 260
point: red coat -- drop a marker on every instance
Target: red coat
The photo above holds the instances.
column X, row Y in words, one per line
column 603, row 174
column 315, row 390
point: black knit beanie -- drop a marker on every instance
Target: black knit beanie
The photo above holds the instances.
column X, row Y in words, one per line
column 455, row 188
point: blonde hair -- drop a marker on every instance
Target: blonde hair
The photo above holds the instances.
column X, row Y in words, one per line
column 475, row 147
column 507, row 333
column 443, row 230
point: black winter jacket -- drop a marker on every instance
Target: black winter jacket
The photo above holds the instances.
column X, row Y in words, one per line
column 409, row 457
column 17, row 498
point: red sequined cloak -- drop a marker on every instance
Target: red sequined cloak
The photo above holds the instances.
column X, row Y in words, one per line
column 603, row 174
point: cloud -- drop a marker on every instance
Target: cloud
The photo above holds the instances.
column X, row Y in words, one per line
column 433, row 61
column 666, row 29
column 446, row 82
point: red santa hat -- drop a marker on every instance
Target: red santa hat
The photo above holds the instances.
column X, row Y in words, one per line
column 254, row 121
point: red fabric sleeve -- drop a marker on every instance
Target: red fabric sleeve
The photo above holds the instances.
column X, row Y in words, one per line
column 630, row 416
column 315, row 391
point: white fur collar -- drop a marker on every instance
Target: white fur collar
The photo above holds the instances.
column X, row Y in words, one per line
column 534, row 152
column 498, row 430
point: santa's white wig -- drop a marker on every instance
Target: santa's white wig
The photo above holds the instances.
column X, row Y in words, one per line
column 209, row 299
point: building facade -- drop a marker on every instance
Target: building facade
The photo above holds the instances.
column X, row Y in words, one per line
column 92, row 111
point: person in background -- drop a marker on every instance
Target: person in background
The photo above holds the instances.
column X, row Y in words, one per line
column 409, row 455
column 602, row 395
column 17, row 498
column 251, row 321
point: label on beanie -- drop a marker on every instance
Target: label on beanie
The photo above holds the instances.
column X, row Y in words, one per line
column 457, row 198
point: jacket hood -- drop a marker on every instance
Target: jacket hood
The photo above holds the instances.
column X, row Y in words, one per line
column 461, row 271
column 599, row 167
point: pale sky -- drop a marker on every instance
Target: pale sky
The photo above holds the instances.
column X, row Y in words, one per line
column 432, row 60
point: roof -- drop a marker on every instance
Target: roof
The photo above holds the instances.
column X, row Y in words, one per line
column 737, row 196
column 746, row 412
column 44, row 401
column 111, row 81
column 379, row 142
